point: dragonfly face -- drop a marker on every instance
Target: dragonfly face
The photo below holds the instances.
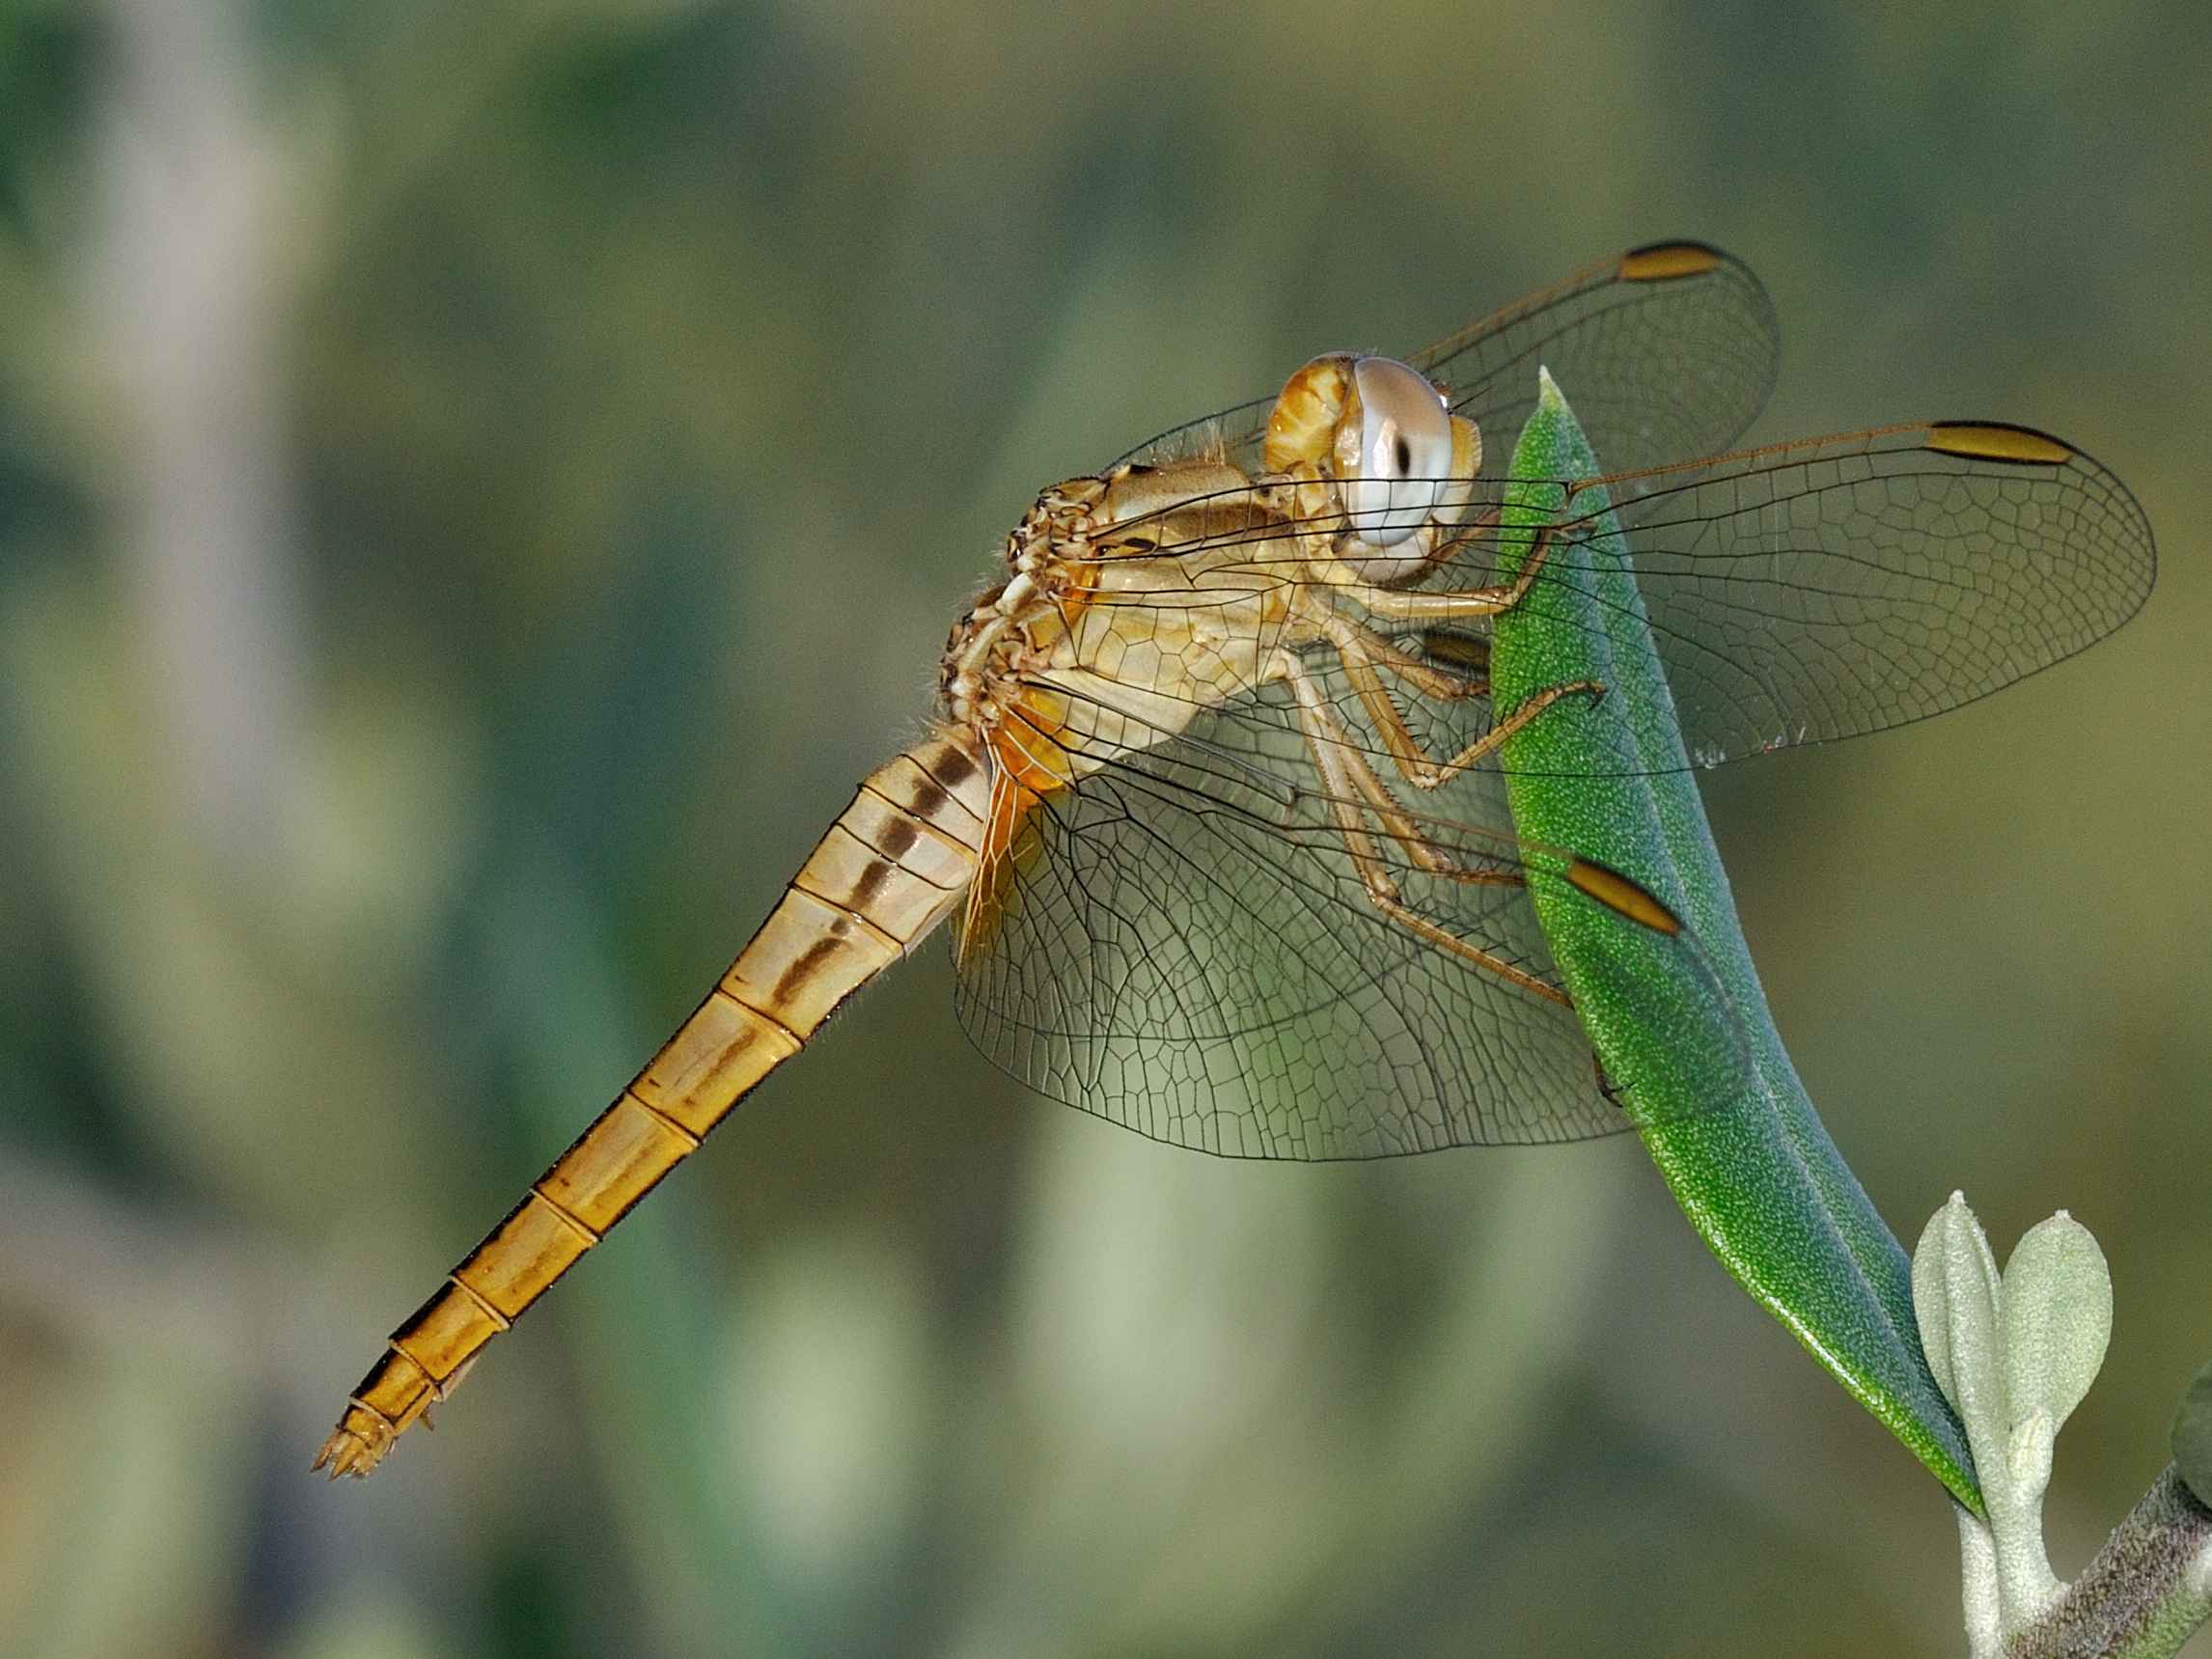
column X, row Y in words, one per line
column 1374, row 440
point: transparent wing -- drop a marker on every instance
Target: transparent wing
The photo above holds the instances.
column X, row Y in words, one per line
column 1187, row 944
column 1668, row 351
column 1827, row 588
column 1184, row 946
column 1841, row 586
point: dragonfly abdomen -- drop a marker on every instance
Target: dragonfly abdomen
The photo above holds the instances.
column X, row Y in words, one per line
column 893, row 867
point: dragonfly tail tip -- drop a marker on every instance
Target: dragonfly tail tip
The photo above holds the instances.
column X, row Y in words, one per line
column 346, row 1454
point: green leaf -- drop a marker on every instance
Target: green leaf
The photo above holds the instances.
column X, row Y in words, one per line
column 2057, row 1318
column 1955, row 1292
column 1683, row 1033
column 2192, row 1436
column 2014, row 1355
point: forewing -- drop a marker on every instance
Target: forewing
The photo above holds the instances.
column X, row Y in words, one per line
column 1841, row 586
column 1822, row 588
column 1668, row 351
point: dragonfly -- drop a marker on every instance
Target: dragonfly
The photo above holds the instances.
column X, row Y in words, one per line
column 1213, row 804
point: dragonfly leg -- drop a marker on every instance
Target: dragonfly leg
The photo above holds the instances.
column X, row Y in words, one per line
column 1317, row 717
column 1355, row 648
column 1349, row 780
column 1446, row 685
column 1441, row 605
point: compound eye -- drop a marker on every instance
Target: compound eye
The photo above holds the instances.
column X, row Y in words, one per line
column 1404, row 459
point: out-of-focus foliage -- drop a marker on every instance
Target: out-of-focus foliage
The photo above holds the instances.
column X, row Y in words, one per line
column 2193, row 1435
column 478, row 482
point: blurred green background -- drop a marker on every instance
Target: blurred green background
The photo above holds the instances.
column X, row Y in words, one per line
column 479, row 482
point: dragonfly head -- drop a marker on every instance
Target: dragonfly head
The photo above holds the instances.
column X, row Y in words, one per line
column 1393, row 465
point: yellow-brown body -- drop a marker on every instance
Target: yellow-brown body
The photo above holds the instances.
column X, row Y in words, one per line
column 892, row 868
column 1135, row 601
column 1331, row 571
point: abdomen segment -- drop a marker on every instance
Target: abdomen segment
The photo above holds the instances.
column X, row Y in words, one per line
column 889, row 871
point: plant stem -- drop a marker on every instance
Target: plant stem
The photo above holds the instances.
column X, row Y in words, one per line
column 2148, row 1589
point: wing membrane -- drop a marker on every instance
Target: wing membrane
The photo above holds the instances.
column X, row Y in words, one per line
column 1837, row 586
column 1184, row 942
column 1841, row 586
column 1186, row 948
column 1668, row 351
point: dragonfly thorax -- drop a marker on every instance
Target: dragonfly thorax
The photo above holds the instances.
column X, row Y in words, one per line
column 1133, row 600
column 1013, row 621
